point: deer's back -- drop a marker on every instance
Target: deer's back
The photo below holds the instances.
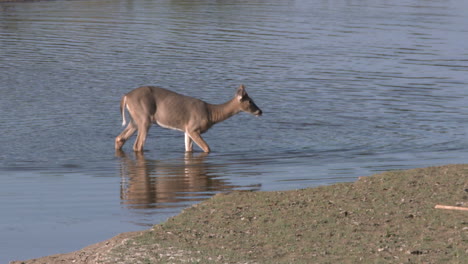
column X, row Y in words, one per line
column 172, row 110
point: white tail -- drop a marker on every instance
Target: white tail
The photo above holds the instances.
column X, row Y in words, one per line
column 123, row 105
column 148, row 104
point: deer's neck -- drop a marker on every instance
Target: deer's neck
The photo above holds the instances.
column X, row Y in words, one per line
column 221, row 112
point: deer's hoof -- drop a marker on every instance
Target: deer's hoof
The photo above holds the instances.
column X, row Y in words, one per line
column 119, row 143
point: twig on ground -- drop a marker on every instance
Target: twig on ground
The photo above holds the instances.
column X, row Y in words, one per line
column 439, row 206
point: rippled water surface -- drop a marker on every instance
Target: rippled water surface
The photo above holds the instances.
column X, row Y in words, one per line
column 348, row 88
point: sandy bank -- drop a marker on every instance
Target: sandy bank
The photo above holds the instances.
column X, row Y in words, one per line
column 385, row 218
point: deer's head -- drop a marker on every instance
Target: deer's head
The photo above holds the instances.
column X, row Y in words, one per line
column 246, row 103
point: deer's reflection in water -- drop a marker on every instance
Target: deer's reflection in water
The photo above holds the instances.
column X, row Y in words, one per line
column 164, row 184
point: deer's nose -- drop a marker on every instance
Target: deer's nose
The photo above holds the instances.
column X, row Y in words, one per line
column 259, row 112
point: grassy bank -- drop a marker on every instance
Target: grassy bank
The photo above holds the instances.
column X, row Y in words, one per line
column 385, row 218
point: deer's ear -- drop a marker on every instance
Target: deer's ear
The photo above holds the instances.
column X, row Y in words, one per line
column 241, row 93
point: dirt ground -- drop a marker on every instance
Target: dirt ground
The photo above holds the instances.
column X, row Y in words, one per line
column 385, row 218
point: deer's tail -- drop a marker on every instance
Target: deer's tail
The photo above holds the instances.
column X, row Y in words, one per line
column 123, row 104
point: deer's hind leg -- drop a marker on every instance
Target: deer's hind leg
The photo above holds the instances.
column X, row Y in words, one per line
column 142, row 109
column 142, row 119
column 143, row 128
column 126, row 133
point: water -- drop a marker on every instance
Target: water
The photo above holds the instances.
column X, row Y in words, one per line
column 348, row 88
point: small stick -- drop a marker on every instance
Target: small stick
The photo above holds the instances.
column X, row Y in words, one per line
column 451, row 207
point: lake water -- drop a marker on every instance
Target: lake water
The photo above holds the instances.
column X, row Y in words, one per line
column 348, row 88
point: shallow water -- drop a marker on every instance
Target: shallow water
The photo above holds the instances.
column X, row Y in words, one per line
column 348, row 88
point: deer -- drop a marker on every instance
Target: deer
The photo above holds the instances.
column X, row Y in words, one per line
column 147, row 105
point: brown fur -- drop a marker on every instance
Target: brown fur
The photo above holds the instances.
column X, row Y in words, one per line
column 149, row 104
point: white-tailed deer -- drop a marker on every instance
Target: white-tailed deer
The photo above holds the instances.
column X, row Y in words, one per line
column 148, row 104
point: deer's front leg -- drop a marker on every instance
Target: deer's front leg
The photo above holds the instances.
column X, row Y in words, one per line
column 188, row 143
column 195, row 136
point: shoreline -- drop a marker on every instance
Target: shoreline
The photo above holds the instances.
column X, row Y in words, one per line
column 385, row 217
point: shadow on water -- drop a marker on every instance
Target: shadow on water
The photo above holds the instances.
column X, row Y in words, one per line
column 156, row 184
